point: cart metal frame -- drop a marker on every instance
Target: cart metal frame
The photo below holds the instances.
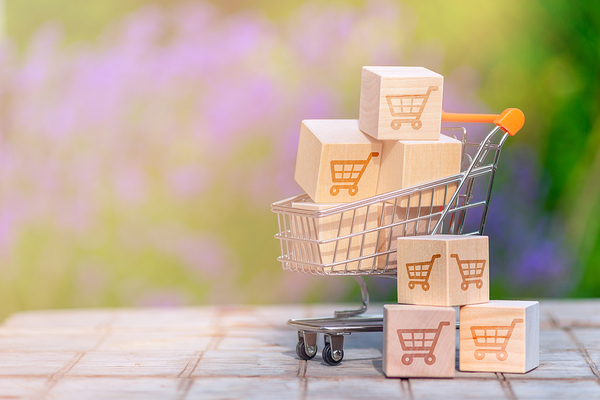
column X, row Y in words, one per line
column 301, row 249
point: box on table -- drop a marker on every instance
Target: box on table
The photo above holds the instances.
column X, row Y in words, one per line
column 500, row 336
column 407, row 163
column 418, row 341
column 336, row 162
column 443, row 270
column 334, row 226
column 401, row 103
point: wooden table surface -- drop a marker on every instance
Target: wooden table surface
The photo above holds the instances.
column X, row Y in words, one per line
column 249, row 352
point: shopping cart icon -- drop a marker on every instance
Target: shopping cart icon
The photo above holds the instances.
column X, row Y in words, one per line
column 493, row 339
column 471, row 271
column 408, row 108
column 420, row 342
column 349, row 172
column 418, row 273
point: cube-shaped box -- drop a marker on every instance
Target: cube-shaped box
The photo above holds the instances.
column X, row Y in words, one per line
column 407, row 163
column 500, row 336
column 443, row 270
column 399, row 222
column 418, row 341
column 337, row 225
column 401, row 103
column 336, row 162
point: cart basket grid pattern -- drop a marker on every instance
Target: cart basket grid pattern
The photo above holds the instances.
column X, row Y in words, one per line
column 470, row 268
column 493, row 336
column 408, row 105
column 419, row 271
column 416, row 339
column 347, row 172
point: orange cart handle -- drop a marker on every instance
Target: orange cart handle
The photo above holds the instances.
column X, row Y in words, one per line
column 510, row 121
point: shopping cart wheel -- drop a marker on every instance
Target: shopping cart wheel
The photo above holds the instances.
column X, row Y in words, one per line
column 425, row 286
column 411, row 285
column 333, row 352
column 334, row 190
column 417, row 124
column 501, row 355
column 353, row 190
column 395, row 124
column 430, row 359
column 464, row 286
column 330, row 358
column 407, row 359
column 479, row 355
column 301, row 351
column 479, row 284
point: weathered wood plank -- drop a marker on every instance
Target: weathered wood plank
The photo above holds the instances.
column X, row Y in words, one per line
column 555, row 389
column 249, row 352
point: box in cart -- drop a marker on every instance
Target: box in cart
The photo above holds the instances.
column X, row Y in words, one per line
column 336, row 162
column 401, row 103
column 407, row 163
column 398, row 221
column 346, row 228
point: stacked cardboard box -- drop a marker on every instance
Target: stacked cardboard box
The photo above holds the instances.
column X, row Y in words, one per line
column 436, row 273
column 396, row 143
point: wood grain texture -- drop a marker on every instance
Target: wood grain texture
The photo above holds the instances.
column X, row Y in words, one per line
column 341, row 142
column 247, row 352
column 401, row 103
column 397, row 215
column 443, row 270
column 407, row 163
column 338, row 225
column 418, row 341
column 500, row 336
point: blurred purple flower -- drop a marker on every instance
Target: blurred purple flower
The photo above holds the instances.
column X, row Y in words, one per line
column 134, row 132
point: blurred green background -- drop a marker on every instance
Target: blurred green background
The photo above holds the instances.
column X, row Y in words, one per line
column 142, row 143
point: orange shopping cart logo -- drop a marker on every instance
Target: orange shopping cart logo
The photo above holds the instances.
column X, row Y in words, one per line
column 418, row 273
column 348, row 173
column 471, row 271
column 420, row 343
column 493, row 339
column 408, row 108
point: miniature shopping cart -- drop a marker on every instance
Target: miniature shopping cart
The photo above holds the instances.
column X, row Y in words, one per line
column 471, row 271
column 418, row 273
column 466, row 198
column 420, row 343
column 408, row 108
column 349, row 172
column 493, row 339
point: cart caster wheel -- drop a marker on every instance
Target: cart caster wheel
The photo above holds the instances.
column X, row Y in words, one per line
column 417, row 125
column 407, row 359
column 395, row 125
column 334, row 190
column 411, row 285
column 464, row 286
column 425, row 286
column 479, row 355
column 502, row 356
column 301, row 351
column 479, row 284
column 329, row 358
column 353, row 190
column 430, row 359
